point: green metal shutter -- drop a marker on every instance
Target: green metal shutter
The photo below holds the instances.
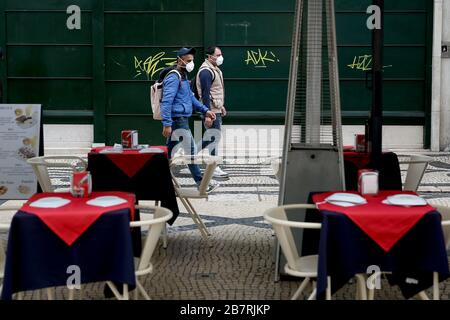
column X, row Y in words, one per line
column 101, row 74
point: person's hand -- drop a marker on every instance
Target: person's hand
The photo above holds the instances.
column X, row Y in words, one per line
column 210, row 114
column 167, row 132
column 224, row 112
column 208, row 122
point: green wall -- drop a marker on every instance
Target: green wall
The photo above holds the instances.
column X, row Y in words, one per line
column 101, row 74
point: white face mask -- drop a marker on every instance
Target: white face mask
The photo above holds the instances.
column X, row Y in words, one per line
column 189, row 66
column 219, row 60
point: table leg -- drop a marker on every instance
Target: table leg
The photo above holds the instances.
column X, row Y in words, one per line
column 50, row 295
column 328, row 293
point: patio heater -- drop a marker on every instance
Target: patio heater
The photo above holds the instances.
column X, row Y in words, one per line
column 376, row 113
column 312, row 154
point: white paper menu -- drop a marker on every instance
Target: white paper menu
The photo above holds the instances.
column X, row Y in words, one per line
column 19, row 141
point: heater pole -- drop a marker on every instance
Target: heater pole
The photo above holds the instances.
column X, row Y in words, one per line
column 376, row 115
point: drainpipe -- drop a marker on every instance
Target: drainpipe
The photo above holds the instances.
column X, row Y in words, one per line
column 436, row 77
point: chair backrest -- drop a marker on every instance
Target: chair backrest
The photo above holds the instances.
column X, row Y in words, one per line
column 278, row 218
column 42, row 164
column 443, row 206
column 160, row 217
column 416, row 170
column 211, row 165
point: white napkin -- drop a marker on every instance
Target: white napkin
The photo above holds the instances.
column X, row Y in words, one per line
column 151, row 150
column 116, row 149
column 50, row 202
column 405, row 200
column 342, row 203
column 346, row 197
column 106, row 201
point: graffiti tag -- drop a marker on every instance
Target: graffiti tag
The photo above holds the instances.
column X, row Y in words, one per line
column 152, row 65
column 363, row 63
column 258, row 59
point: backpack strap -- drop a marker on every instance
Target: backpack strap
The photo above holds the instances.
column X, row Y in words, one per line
column 210, row 70
column 174, row 71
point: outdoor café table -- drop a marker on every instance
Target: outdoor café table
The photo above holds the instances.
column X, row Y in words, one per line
column 46, row 245
column 389, row 173
column 407, row 241
column 147, row 175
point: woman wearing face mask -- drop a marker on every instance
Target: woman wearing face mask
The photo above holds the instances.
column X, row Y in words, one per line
column 211, row 90
column 177, row 104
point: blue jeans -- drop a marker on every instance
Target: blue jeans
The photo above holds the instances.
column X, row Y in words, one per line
column 182, row 138
column 213, row 135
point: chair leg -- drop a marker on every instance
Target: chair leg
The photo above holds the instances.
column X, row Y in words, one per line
column 126, row 295
column 328, row 292
column 116, row 292
column 435, row 286
column 71, row 294
column 361, row 293
column 81, row 292
column 357, row 293
column 198, row 217
column 141, row 288
column 374, row 278
column 165, row 236
column 276, row 270
column 300, row 289
column 50, row 295
column 313, row 293
column 188, row 209
column 371, row 294
column 422, row 296
column 195, row 218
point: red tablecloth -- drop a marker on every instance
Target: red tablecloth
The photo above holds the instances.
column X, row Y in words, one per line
column 129, row 161
column 70, row 221
column 385, row 224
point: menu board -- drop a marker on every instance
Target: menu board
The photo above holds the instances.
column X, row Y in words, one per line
column 20, row 126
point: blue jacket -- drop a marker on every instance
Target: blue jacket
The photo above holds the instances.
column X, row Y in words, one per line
column 177, row 101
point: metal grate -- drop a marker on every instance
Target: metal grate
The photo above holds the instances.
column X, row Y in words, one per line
column 314, row 118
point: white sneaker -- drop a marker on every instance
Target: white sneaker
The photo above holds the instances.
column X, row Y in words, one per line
column 219, row 173
column 185, row 171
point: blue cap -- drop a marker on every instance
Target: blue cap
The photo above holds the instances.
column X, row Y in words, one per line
column 185, row 51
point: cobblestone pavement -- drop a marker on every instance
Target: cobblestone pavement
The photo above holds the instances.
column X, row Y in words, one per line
column 240, row 262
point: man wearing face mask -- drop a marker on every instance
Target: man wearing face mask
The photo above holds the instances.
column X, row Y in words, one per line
column 211, row 90
column 176, row 108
